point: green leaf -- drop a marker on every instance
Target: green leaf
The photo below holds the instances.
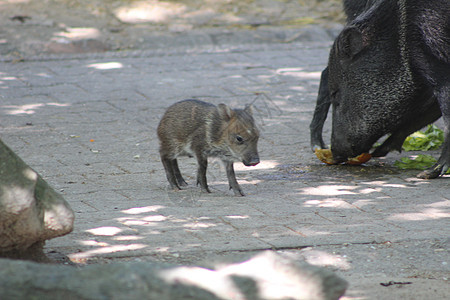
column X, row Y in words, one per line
column 430, row 139
column 420, row 162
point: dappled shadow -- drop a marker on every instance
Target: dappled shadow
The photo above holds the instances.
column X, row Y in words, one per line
column 288, row 205
column 24, row 80
column 115, row 181
column 29, row 109
column 73, row 27
column 321, row 205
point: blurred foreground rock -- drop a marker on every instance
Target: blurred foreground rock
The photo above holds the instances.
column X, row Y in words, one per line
column 31, row 212
column 264, row 276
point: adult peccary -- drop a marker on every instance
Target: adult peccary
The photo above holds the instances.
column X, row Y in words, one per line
column 200, row 129
column 388, row 73
column 352, row 9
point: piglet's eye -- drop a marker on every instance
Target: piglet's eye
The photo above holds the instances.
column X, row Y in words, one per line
column 239, row 139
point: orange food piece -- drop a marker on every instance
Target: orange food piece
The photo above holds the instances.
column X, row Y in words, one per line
column 360, row 159
column 325, row 155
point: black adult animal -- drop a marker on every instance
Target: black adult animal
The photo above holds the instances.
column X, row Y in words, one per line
column 388, row 74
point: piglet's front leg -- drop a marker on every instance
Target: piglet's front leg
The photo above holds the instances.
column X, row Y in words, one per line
column 234, row 185
column 202, row 162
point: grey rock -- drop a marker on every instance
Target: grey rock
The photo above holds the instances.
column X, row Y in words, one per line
column 264, row 276
column 30, row 210
column 279, row 277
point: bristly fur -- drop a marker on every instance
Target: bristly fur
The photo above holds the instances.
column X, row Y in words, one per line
column 200, row 129
column 388, row 74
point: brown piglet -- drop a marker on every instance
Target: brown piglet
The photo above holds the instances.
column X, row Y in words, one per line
column 198, row 129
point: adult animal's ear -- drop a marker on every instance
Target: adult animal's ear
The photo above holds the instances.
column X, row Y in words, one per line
column 225, row 112
column 351, row 41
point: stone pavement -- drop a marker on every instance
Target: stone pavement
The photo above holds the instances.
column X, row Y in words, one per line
column 87, row 123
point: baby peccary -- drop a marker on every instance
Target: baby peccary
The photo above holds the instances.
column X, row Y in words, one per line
column 200, row 129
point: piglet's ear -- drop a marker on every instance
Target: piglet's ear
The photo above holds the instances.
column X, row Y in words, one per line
column 225, row 112
column 249, row 109
column 351, row 41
